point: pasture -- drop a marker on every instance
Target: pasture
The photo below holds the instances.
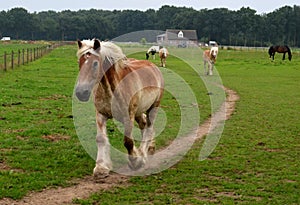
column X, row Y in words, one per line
column 255, row 162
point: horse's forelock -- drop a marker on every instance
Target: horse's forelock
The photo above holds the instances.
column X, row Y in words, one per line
column 109, row 51
column 86, row 45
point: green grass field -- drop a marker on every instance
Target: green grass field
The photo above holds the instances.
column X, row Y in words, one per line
column 17, row 45
column 255, row 162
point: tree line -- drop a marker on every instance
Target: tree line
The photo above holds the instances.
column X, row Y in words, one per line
column 243, row 27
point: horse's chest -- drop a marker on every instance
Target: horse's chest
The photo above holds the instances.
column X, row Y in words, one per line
column 103, row 101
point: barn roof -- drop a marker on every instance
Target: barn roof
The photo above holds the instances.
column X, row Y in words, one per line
column 188, row 34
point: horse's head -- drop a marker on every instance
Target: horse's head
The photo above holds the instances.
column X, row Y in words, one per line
column 214, row 52
column 89, row 61
column 164, row 52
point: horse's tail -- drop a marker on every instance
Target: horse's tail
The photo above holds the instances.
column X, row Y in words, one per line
column 289, row 52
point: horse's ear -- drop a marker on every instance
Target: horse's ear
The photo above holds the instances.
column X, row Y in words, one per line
column 79, row 44
column 96, row 44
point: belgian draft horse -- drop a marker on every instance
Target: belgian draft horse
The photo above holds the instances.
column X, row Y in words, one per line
column 280, row 49
column 163, row 54
column 125, row 89
column 210, row 57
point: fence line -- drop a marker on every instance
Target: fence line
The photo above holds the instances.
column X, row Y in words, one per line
column 24, row 56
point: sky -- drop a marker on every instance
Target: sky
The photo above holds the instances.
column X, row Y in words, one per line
column 261, row 6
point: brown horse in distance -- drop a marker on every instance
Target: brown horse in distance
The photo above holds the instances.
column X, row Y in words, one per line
column 280, row 49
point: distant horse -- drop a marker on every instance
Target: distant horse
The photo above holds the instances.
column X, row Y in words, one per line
column 280, row 49
column 153, row 50
column 210, row 57
column 163, row 54
column 125, row 89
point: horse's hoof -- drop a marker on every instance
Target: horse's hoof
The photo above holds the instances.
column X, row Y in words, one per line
column 136, row 163
column 100, row 172
column 151, row 150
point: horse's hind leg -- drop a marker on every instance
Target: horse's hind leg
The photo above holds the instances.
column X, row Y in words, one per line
column 143, row 122
column 148, row 141
column 136, row 158
column 283, row 57
column 103, row 161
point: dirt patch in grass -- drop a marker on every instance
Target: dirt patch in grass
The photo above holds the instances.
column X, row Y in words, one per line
column 55, row 138
column 54, row 97
column 4, row 166
column 83, row 188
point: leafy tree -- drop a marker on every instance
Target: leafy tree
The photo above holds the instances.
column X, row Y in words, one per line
column 241, row 27
column 21, row 23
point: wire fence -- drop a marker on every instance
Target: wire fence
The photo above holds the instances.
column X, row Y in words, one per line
column 13, row 59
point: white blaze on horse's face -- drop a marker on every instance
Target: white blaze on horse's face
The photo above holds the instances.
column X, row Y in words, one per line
column 214, row 52
column 89, row 66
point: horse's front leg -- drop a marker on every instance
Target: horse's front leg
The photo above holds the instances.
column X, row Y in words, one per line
column 283, row 57
column 136, row 158
column 211, row 67
column 206, row 67
column 103, row 161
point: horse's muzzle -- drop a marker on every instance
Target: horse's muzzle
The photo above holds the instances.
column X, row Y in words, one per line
column 83, row 94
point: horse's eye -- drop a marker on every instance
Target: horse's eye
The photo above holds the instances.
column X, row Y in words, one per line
column 95, row 64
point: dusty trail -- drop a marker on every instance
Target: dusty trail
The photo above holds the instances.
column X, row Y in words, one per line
column 86, row 186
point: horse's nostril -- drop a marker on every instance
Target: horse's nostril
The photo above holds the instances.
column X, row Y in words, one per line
column 83, row 95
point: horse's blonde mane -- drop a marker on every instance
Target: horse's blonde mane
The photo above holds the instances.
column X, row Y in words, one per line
column 108, row 51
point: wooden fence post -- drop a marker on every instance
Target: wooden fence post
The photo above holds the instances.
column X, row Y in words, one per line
column 23, row 53
column 19, row 56
column 12, row 59
column 27, row 55
column 34, row 54
column 5, row 68
column 31, row 55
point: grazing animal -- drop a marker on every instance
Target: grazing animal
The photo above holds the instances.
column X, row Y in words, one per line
column 125, row 89
column 210, row 57
column 153, row 50
column 163, row 54
column 280, row 49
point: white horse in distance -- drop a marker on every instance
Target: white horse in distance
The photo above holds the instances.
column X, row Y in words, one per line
column 210, row 57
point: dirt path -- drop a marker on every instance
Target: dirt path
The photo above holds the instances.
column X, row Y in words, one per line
column 83, row 188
